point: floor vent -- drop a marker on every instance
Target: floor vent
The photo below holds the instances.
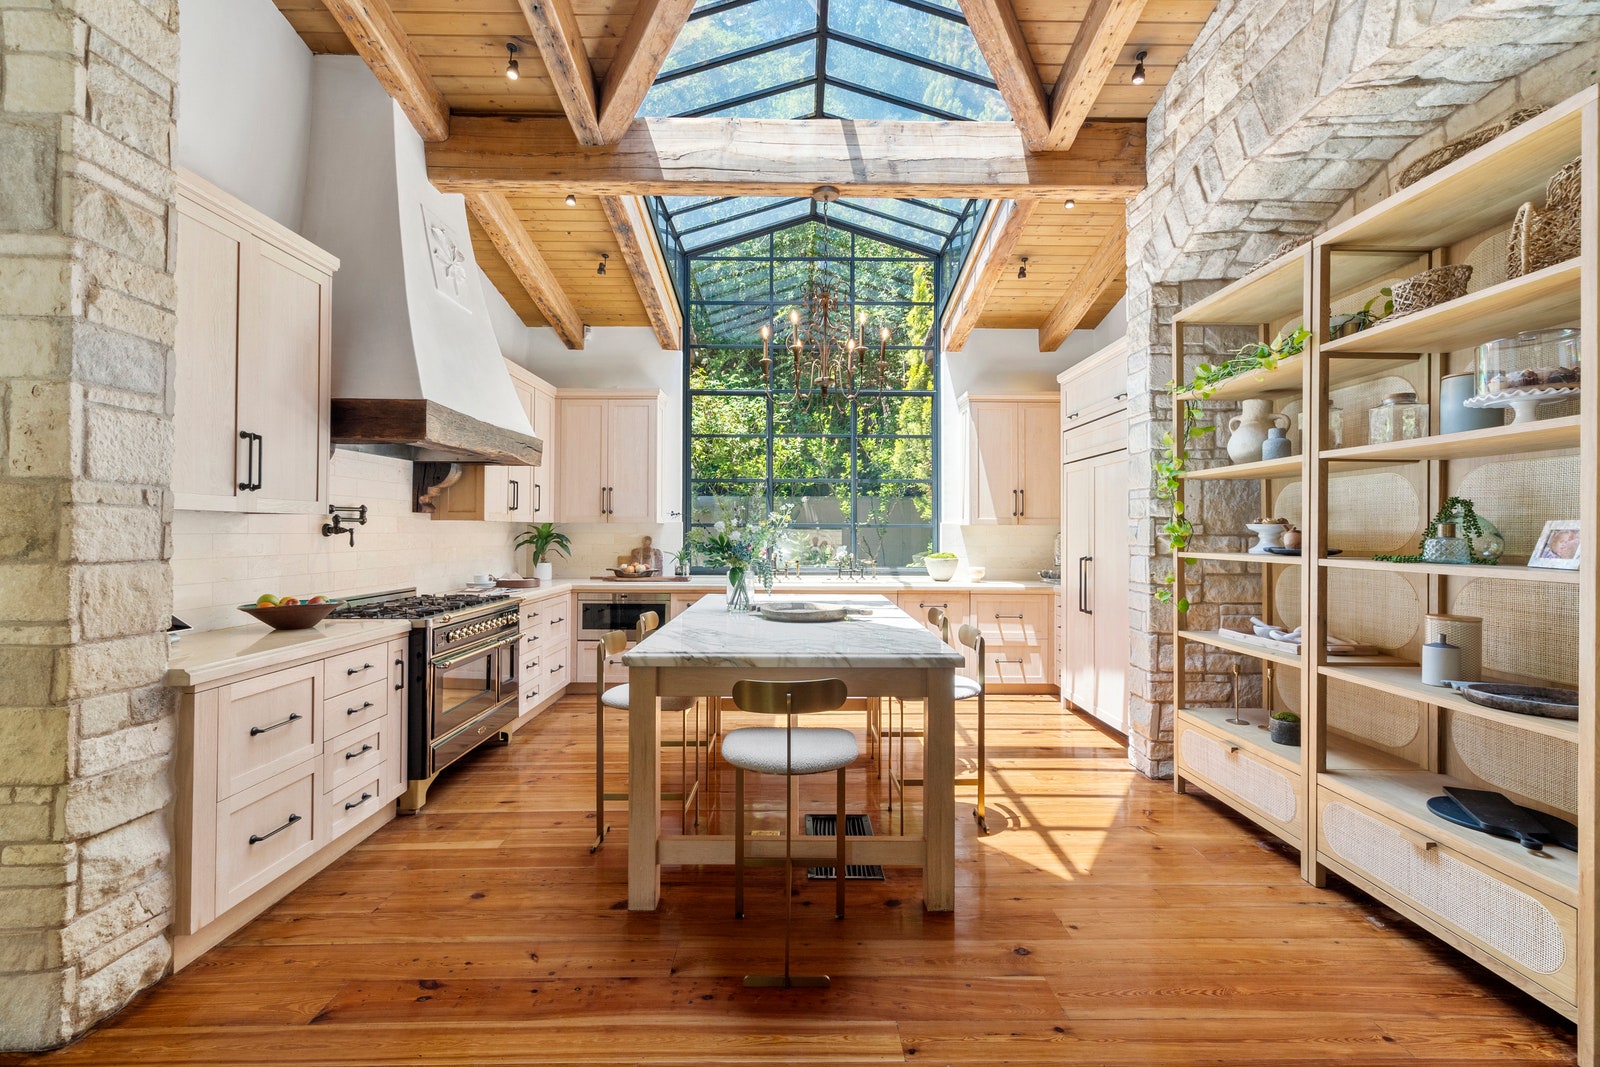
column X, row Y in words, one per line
column 854, row 826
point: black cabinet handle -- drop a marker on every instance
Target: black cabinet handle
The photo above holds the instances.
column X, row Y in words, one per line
column 293, row 717
column 557, row 667
column 261, row 459
column 1083, row 585
column 516, row 495
column 358, row 670
column 358, row 753
column 401, row 684
column 538, row 497
column 357, row 803
column 1008, row 616
column 530, row 694
column 254, row 455
column 357, row 711
column 1013, row 503
column 1022, row 502
column 256, row 839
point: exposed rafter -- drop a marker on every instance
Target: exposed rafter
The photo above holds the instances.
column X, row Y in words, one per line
column 631, row 226
column 999, row 36
column 655, row 26
column 990, row 255
column 555, row 31
column 495, row 214
column 1108, row 261
column 1105, row 29
column 761, row 157
column 380, row 40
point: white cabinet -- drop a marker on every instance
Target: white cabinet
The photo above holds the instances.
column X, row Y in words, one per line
column 610, row 456
column 253, row 359
column 1012, row 478
column 493, row 493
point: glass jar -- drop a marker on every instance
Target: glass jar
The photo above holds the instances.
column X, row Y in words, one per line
column 1401, row 417
column 1446, row 547
column 1539, row 361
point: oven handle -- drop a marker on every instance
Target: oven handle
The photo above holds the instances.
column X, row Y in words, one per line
column 446, row 662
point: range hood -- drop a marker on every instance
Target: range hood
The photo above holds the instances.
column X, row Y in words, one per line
column 415, row 359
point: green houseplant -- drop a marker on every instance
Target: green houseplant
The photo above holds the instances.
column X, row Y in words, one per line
column 542, row 540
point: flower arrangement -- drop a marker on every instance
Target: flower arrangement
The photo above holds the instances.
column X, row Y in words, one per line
column 739, row 545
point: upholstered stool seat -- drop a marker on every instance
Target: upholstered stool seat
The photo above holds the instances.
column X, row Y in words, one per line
column 617, row 697
column 967, row 688
column 765, row 749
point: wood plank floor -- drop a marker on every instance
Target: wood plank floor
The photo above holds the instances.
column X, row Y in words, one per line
column 1105, row 921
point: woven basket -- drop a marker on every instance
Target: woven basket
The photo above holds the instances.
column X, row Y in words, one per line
column 1443, row 157
column 1542, row 239
column 1431, row 287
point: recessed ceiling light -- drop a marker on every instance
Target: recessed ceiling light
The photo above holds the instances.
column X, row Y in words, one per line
column 572, row 201
column 512, row 71
column 1138, row 68
column 1070, row 204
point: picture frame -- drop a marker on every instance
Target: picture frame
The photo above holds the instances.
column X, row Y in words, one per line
column 1559, row 546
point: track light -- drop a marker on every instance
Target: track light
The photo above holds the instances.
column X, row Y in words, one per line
column 1022, row 271
column 1070, row 204
column 572, row 201
column 601, row 269
column 1138, row 68
column 512, row 72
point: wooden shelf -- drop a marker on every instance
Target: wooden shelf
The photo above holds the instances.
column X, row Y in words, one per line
column 1288, row 467
column 1544, row 436
column 1245, row 648
column 1253, row 735
column 1405, row 680
column 1276, row 291
column 1501, row 572
column 1242, row 557
column 1549, row 297
column 1288, row 377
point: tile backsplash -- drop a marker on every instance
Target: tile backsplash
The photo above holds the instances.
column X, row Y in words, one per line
column 222, row 560
column 1009, row 553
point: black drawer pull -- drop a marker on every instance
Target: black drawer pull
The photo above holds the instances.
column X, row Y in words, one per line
column 1002, row 659
column 530, row 694
column 920, row 604
column 293, row 717
column 401, row 684
column 256, row 839
column 358, row 670
column 558, row 667
column 357, row 711
column 364, row 749
column 1008, row 616
column 553, row 622
column 357, row 803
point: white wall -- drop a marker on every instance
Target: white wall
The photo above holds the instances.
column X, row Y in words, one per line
column 244, row 103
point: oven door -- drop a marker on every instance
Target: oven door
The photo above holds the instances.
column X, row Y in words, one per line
column 602, row 616
column 468, row 683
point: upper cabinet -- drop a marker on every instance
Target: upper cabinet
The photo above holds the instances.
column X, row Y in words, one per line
column 253, row 343
column 1013, row 476
column 491, row 493
column 610, row 467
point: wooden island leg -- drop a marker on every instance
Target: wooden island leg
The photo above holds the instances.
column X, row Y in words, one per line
column 644, row 790
column 939, row 790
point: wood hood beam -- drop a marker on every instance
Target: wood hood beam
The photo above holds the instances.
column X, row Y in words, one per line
column 555, row 31
column 381, row 41
column 1108, row 261
column 1105, row 30
column 991, row 254
column 631, row 226
column 651, row 33
column 1000, row 40
column 494, row 212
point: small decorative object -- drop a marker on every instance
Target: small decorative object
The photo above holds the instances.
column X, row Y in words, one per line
column 1446, row 547
column 1401, row 417
column 1277, row 445
column 1484, row 542
column 1356, row 321
column 1443, row 157
column 515, row 581
column 738, row 589
column 543, row 540
column 975, row 574
column 1528, row 370
column 1456, row 413
column 1236, row 719
column 1291, row 538
column 1465, row 632
column 801, row 611
column 1248, row 430
column 735, row 544
column 941, row 565
column 1269, row 534
column 1431, row 288
column 647, row 555
column 1542, row 239
column 1537, row 700
column 1560, row 546
column 1284, row 728
column 290, row 614
column 1441, row 663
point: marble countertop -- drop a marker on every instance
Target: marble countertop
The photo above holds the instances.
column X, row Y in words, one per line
column 708, row 635
column 701, row 583
column 198, row 659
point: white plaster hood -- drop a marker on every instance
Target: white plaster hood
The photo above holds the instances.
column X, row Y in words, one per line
column 415, row 359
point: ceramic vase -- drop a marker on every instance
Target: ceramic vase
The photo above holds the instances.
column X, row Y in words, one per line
column 544, row 571
column 1277, row 445
column 1247, row 431
column 1268, row 535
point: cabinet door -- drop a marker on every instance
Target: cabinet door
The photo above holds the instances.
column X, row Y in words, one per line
column 208, row 458
column 1109, row 595
column 631, row 460
column 1039, row 477
column 282, row 390
column 399, row 701
column 582, row 480
column 1077, row 551
column 497, row 493
column 541, row 479
column 993, row 476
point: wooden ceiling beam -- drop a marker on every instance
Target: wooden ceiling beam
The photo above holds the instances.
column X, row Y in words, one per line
column 779, row 157
column 1104, row 32
column 644, row 47
column 379, row 39
column 499, row 220
column 631, row 226
column 1108, row 261
column 555, row 31
column 999, row 36
column 991, row 254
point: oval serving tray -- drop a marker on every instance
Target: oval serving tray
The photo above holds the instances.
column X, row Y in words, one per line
column 800, row 611
column 1522, row 699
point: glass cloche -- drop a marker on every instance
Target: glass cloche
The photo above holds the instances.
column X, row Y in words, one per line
column 1525, row 371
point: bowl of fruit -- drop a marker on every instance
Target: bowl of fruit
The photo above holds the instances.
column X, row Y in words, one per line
column 288, row 612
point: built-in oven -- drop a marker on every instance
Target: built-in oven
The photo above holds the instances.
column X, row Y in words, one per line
column 600, row 613
column 470, row 685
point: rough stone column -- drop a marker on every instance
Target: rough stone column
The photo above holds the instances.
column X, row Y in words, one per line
column 86, row 328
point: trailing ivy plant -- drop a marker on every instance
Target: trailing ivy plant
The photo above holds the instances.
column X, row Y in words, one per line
column 1459, row 510
column 1172, row 459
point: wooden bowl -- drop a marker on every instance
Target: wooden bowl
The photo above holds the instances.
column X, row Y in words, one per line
column 294, row 617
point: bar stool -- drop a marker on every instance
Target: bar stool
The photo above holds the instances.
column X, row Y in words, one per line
column 965, row 689
column 617, row 697
column 791, row 752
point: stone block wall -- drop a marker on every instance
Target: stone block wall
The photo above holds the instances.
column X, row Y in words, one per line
column 86, row 325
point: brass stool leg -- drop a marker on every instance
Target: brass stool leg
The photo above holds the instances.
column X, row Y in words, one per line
column 838, row 870
column 601, row 829
column 788, row 980
column 983, row 771
column 738, row 843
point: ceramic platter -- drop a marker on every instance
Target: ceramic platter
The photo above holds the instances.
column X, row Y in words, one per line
column 800, row 611
column 1523, row 699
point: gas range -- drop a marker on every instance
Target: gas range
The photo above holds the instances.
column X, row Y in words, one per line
column 407, row 604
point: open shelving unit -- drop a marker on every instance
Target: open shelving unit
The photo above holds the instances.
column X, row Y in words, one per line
column 1377, row 742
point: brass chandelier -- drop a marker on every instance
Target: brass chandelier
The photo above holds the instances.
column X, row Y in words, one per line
column 832, row 361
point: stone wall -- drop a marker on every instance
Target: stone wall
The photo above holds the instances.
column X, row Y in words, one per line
column 86, row 325
column 1287, row 116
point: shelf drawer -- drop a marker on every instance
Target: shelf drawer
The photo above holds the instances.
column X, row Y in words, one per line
column 1013, row 621
column 1480, row 910
column 357, row 708
column 266, row 725
column 352, row 670
column 348, row 806
column 1016, row 665
column 1267, row 793
column 352, row 754
column 264, row 832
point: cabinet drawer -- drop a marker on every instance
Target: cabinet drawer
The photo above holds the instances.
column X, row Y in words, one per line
column 266, row 725
column 264, row 832
column 533, row 641
column 534, row 611
column 531, row 685
column 352, row 754
column 357, row 708
column 584, row 669
column 1095, row 391
column 1016, row 665
column 348, row 806
column 1271, row 794
column 1526, row 930
column 1013, row 621
column 1098, row 438
column 352, row 670
column 556, row 672
column 557, row 613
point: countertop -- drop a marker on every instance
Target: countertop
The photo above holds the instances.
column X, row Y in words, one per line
column 214, row 655
column 711, row 583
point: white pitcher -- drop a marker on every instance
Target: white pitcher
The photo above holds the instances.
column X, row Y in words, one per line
column 1249, row 428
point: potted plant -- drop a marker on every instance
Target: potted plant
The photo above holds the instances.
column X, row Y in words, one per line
column 1284, row 728
column 542, row 540
column 941, row 565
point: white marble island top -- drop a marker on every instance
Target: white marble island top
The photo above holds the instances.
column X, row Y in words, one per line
column 708, row 635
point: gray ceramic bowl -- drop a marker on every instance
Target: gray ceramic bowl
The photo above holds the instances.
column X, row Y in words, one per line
column 1522, row 699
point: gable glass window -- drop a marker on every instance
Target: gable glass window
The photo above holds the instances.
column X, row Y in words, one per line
column 858, row 478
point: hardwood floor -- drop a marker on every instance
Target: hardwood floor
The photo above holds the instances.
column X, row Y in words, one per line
column 1105, row 921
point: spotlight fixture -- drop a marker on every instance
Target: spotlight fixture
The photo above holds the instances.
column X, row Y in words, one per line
column 1138, row 68
column 1022, row 271
column 601, row 269
column 572, row 201
column 512, row 72
column 1070, row 204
